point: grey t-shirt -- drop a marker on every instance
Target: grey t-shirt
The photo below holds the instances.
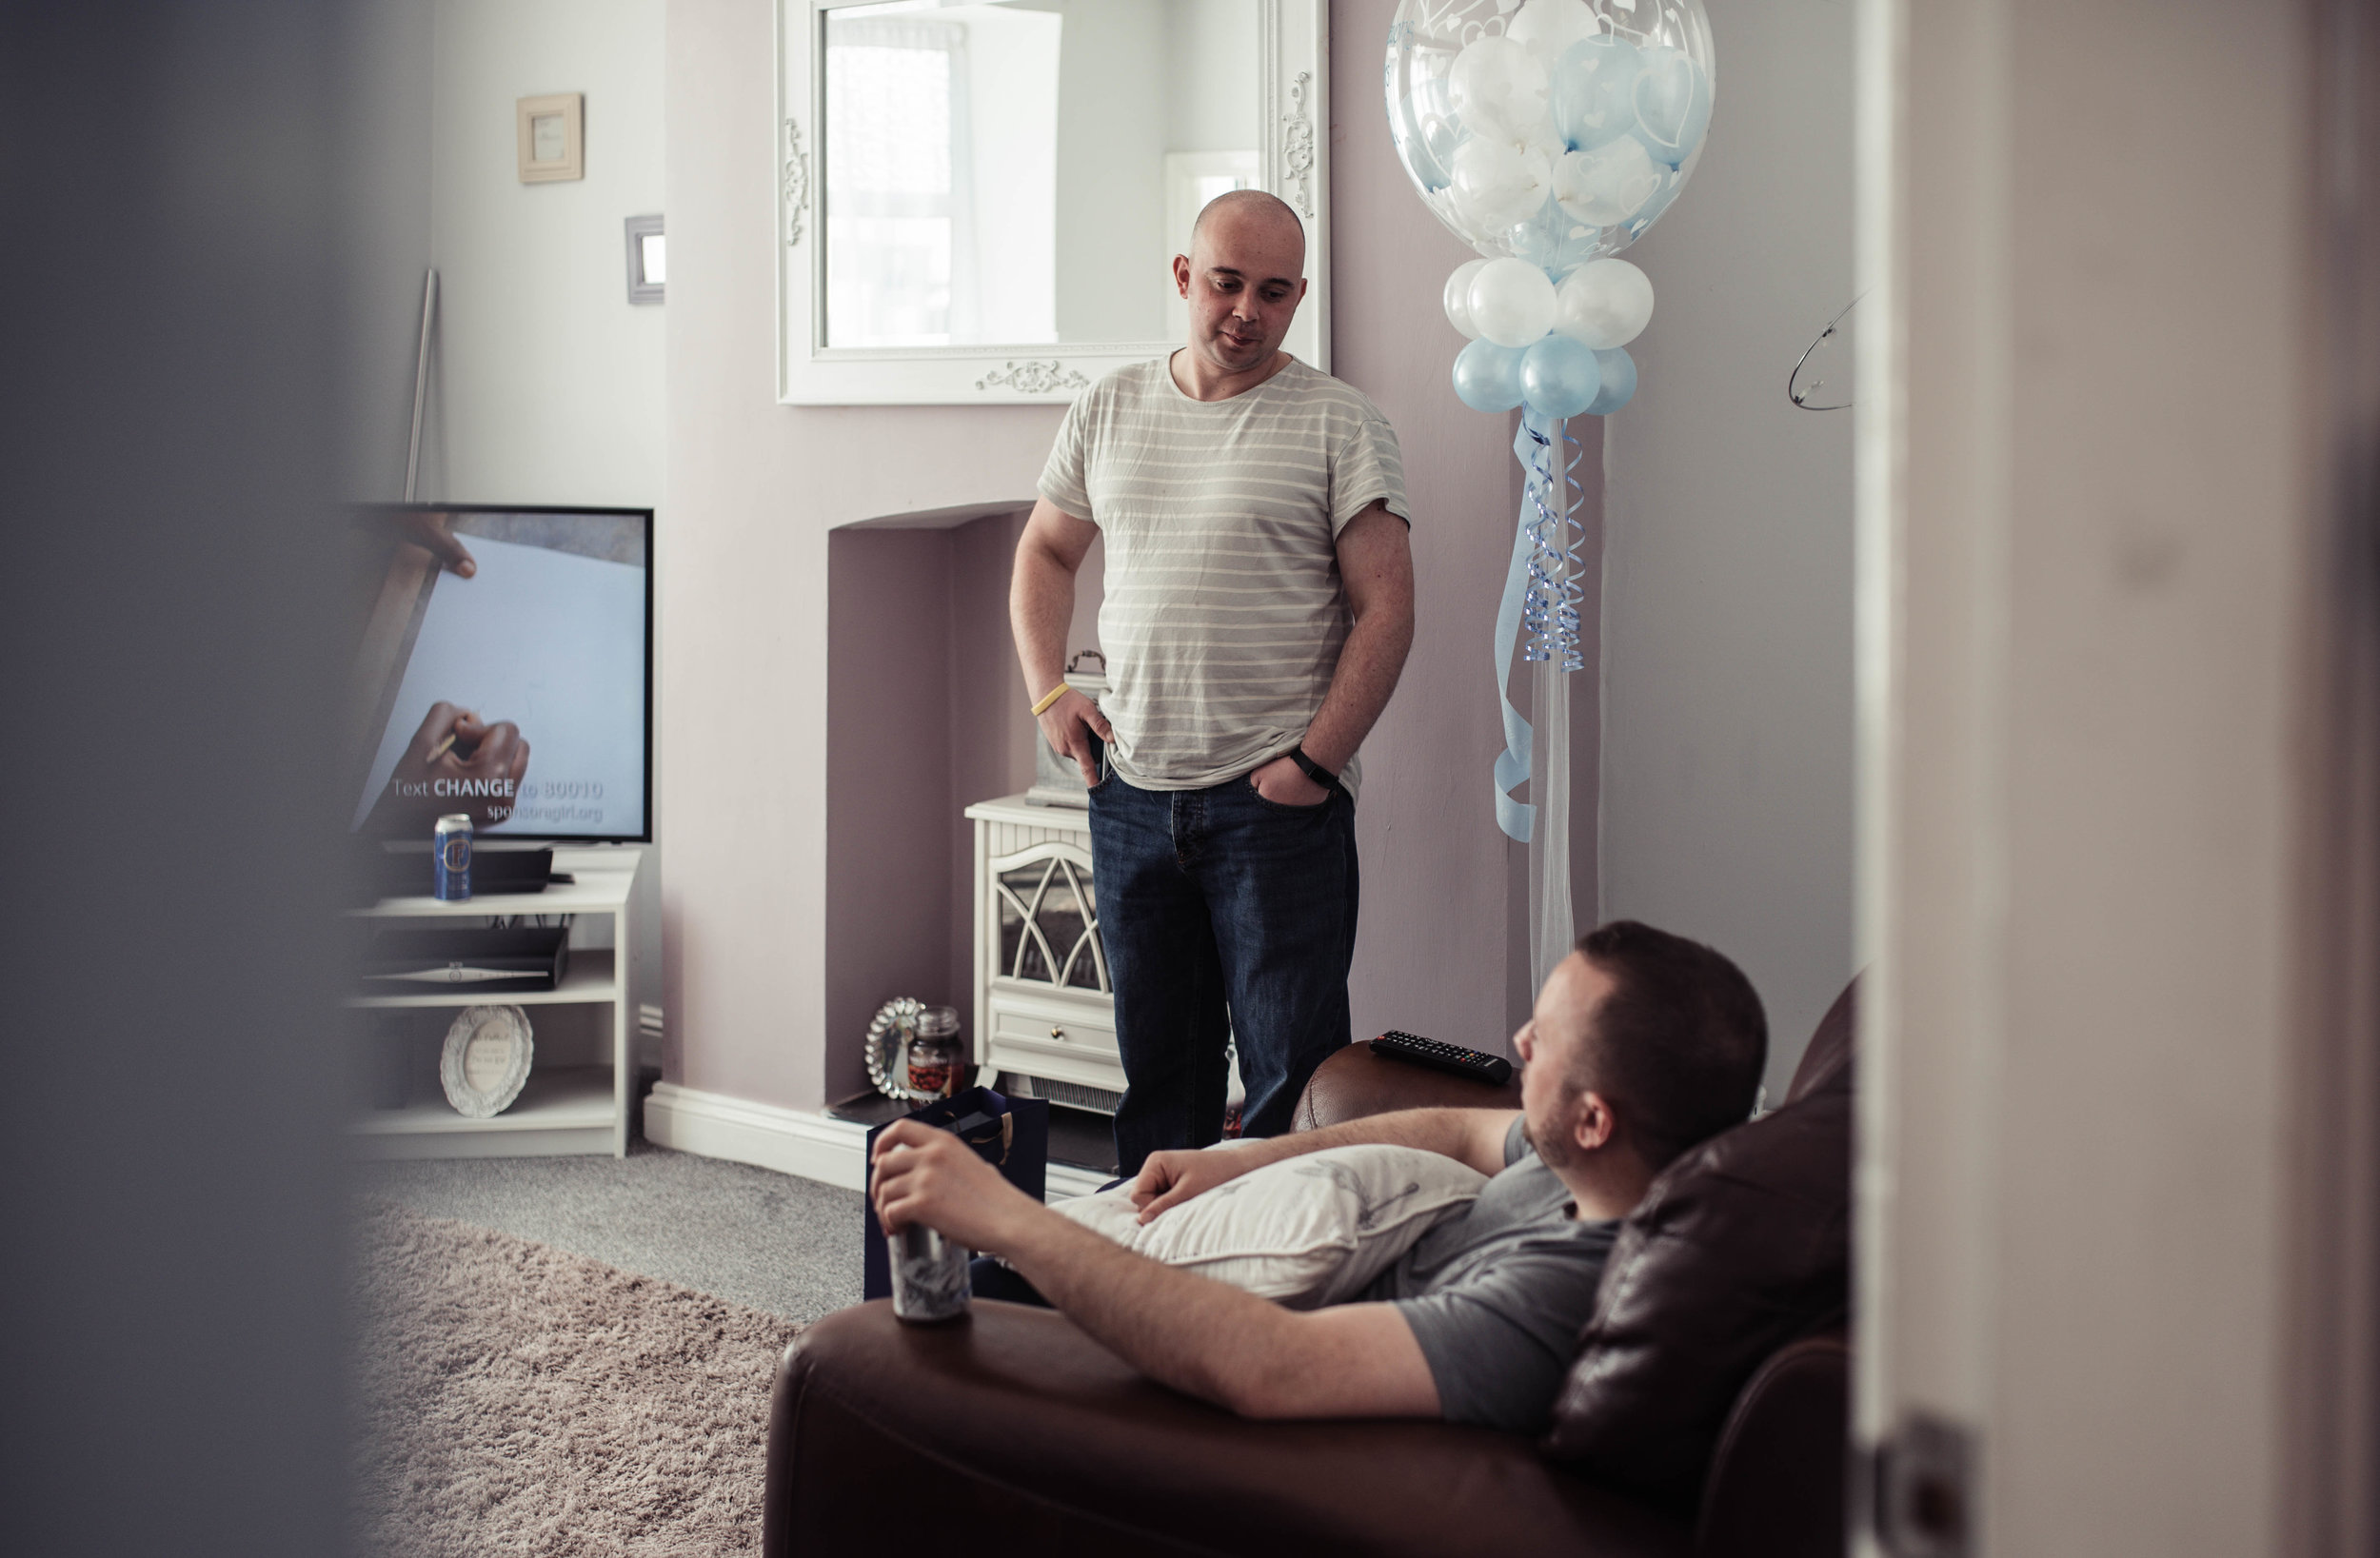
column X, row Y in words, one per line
column 1496, row 1297
column 1224, row 609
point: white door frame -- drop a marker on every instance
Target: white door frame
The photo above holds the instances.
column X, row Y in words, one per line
column 2119, row 772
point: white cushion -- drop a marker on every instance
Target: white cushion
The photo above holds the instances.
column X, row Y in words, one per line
column 1305, row 1231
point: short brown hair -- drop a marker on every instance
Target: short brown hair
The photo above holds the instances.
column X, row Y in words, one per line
column 1678, row 1044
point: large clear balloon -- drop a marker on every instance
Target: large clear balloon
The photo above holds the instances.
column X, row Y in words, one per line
column 1498, row 88
column 1608, row 184
column 1673, row 101
column 1497, row 184
column 1557, row 133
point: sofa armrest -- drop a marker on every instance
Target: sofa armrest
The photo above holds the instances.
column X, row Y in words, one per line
column 1779, row 1482
column 1011, row 1430
column 1355, row 1082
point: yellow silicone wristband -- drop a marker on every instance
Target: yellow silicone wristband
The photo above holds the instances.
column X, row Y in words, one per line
column 1049, row 697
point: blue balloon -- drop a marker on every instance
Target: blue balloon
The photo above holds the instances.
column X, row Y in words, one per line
column 1672, row 102
column 1487, row 376
column 1619, row 384
column 1559, row 378
column 1594, row 91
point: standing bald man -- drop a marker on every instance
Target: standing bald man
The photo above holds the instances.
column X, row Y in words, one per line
column 1259, row 608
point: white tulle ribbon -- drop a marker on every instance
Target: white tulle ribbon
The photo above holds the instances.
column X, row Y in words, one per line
column 1539, row 613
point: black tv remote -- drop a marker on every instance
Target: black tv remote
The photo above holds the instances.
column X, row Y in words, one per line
column 1492, row 1069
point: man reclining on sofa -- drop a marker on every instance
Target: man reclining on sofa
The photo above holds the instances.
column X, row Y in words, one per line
column 1641, row 1045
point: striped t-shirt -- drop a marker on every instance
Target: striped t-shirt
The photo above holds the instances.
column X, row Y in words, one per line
column 1224, row 612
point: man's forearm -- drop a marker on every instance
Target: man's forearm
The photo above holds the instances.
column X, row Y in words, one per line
column 1220, row 1343
column 1475, row 1136
column 1182, row 1330
column 1040, row 607
column 1369, row 664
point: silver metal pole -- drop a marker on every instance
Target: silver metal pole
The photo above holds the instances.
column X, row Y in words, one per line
column 421, row 386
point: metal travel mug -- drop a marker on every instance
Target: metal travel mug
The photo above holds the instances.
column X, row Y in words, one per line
column 929, row 1276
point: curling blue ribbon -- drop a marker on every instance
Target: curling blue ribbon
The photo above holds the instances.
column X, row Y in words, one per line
column 1542, row 546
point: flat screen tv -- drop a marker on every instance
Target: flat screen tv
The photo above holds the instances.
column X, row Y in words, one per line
column 503, row 669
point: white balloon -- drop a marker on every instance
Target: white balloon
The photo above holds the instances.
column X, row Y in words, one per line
column 1549, row 27
column 1604, row 304
column 1458, row 298
column 1606, row 183
column 1497, row 184
column 1499, row 88
column 1512, row 302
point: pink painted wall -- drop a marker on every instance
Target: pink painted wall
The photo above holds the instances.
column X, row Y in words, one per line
column 755, row 488
column 889, row 746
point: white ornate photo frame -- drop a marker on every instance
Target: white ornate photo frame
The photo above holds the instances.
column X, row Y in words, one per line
column 485, row 1060
column 1293, row 161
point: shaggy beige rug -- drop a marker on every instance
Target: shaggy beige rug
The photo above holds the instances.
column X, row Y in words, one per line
column 518, row 1400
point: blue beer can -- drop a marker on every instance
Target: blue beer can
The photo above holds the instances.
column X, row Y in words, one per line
column 451, row 845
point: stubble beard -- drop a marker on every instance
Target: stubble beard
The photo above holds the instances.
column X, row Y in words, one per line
column 1550, row 1151
column 1233, row 358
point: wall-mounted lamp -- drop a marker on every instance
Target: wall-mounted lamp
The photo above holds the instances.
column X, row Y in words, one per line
column 649, row 262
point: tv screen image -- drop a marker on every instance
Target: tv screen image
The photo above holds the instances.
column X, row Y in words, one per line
column 503, row 671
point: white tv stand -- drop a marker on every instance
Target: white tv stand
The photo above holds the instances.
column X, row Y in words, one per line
column 564, row 1109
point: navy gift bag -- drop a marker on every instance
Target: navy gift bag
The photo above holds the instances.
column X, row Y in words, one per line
column 1010, row 1133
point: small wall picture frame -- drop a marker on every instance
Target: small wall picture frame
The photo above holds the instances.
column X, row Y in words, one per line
column 552, row 136
column 649, row 260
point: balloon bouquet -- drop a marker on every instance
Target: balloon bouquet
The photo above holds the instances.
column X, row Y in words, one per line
column 1548, row 135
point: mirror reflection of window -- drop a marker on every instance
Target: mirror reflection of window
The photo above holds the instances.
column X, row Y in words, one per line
column 1006, row 173
column 914, row 258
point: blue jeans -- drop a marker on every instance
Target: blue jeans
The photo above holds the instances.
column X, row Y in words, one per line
column 1222, row 912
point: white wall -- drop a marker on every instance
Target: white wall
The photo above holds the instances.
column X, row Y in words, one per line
column 549, row 384
column 385, row 216
column 1727, row 586
column 755, row 489
column 2096, row 600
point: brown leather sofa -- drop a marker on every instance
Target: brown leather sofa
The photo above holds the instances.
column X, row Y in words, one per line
column 1705, row 1413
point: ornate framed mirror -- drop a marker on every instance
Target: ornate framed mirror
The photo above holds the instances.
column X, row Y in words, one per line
column 978, row 200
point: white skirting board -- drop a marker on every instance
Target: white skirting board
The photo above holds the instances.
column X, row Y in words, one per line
column 795, row 1141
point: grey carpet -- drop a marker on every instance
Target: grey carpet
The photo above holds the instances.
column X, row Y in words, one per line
column 786, row 1246
column 520, row 1400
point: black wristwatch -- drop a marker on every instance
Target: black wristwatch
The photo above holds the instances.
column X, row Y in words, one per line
column 1313, row 770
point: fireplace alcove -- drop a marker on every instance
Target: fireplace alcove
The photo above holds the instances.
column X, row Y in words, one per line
column 926, row 715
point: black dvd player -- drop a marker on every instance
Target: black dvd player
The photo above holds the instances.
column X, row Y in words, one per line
column 467, row 959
